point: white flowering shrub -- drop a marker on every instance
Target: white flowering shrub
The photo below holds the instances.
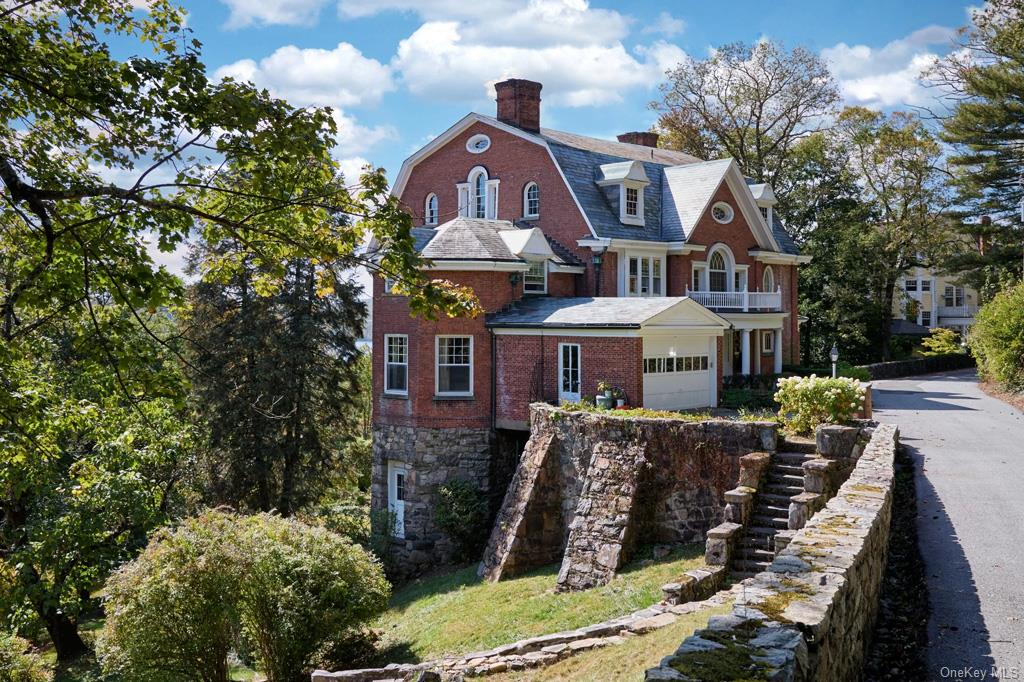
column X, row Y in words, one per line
column 805, row 402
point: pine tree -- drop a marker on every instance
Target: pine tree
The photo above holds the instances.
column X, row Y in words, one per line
column 987, row 129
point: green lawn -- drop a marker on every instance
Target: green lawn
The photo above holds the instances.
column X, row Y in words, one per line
column 456, row 613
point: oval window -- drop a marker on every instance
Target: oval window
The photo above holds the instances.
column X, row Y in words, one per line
column 722, row 212
column 478, row 144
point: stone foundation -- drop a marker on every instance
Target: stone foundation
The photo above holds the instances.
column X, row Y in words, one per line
column 433, row 456
column 590, row 487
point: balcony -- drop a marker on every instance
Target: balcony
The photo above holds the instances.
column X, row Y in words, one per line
column 957, row 311
column 739, row 301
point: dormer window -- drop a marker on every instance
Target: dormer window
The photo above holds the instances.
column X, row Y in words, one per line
column 478, row 196
column 536, row 280
column 531, row 200
column 623, row 184
column 430, row 210
column 632, row 201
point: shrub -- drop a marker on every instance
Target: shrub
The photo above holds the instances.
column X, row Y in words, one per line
column 941, row 342
column 171, row 612
column 805, row 402
column 462, row 513
column 279, row 589
column 18, row 664
column 997, row 338
column 305, row 591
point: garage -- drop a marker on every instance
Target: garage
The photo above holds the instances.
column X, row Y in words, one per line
column 679, row 371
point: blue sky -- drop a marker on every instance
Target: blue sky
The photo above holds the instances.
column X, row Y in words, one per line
column 400, row 71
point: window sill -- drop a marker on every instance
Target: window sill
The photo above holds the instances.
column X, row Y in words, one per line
column 455, row 398
column 396, row 396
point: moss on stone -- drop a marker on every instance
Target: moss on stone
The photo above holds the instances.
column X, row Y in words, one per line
column 775, row 605
column 866, row 488
column 734, row 661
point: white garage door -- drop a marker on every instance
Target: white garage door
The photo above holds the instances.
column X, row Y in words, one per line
column 677, row 372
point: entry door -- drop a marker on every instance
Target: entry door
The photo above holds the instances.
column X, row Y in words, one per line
column 569, row 372
column 396, row 497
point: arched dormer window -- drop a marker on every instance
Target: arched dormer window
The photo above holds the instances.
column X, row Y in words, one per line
column 531, row 200
column 768, row 279
column 478, row 196
column 430, row 210
column 718, row 272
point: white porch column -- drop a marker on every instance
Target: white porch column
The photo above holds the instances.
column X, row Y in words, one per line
column 745, row 351
column 778, row 351
column 756, row 369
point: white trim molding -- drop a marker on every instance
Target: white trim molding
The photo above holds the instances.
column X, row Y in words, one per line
column 479, row 265
column 778, row 258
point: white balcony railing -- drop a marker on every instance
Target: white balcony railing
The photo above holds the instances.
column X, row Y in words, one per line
column 744, row 301
column 958, row 310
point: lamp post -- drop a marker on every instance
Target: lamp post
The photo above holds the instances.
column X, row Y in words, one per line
column 834, row 354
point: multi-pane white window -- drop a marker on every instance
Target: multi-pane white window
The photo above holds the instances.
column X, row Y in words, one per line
column 953, row 296
column 536, row 280
column 926, row 284
column 667, row 364
column 531, row 200
column 479, row 188
column 768, row 279
column 430, row 210
column 632, row 201
column 911, row 285
column 478, row 196
column 718, row 275
column 454, row 366
column 396, row 364
column 644, row 276
column 767, row 341
column 926, row 318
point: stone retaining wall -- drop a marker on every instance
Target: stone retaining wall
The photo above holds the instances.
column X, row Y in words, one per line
column 600, row 484
column 809, row 616
column 906, row 368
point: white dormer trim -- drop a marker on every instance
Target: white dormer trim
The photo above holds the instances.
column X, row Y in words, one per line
column 627, row 175
column 460, row 126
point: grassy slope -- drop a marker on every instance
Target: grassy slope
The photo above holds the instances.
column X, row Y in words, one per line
column 623, row 662
column 456, row 613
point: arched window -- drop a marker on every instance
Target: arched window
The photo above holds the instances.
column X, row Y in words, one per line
column 768, row 279
column 430, row 210
column 531, row 200
column 718, row 272
column 478, row 200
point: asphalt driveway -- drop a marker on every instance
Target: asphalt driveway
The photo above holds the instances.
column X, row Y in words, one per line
column 969, row 450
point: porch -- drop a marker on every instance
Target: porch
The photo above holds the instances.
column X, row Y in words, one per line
column 754, row 344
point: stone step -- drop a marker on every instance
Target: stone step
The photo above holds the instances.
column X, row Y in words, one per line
column 755, row 554
column 746, row 565
column 792, row 457
column 761, row 544
column 774, row 499
column 801, row 445
column 782, row 489
column 770, row 522
column 790, row 469
column 776, row 512
column 761, row 532
column 786, row 479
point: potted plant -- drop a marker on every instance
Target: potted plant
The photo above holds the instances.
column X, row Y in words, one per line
column 620, row 397
column 604, row 395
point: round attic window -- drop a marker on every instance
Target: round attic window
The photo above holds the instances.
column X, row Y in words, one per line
column 722, row 212
column 478, row 144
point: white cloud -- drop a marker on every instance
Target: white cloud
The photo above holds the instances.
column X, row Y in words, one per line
column 268, row 12
column 666, row 24
column 889, row 76
column 352, row 168
column 428, row 9
column 354, row 139
column 340, row 77
column 437, row 61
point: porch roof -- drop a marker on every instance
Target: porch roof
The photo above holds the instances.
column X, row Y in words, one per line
column 607, row 313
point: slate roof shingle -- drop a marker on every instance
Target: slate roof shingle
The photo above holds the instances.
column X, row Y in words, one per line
column 470, row 239
column 582, row 312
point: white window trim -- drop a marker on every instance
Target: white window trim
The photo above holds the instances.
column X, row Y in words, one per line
column 579, row 372
column 471, row 144
column 542, row 290
column 727, row 207
column 625, row 218
column 526, row 200
column 437, row 367
column 765, row 285
column 387, row 390
column 427, row 218
column 767, row 340
column 395, row 468
column 624, row 274
column 730, row 267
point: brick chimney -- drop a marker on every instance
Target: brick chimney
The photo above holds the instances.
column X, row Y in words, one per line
column 644, row 139
column 519, row 103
